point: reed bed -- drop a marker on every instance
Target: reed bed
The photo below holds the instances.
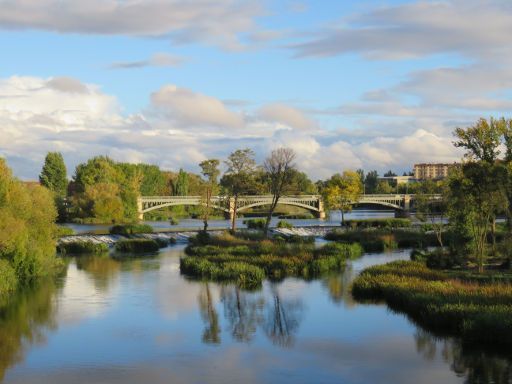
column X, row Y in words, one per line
column 475, row 311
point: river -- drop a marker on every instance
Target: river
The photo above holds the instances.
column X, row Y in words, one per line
column 196, row 224
column 140, row 321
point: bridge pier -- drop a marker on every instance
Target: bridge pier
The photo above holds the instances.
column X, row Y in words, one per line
column 140, row 208
column 321, row 210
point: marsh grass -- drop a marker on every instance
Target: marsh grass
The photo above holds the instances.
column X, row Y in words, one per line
column 276, row 259
column 137, row 246
column 477, row 310
column 80, row 247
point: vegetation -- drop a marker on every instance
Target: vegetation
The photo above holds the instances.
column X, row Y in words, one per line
column 54, row 177
column 27, row 231
column 284, row 224
column 380, row 239
column 239, row 178
column 280, row 169
column 379, row 223
column 209, row 255
column 137, row 246
column 130, row 229
column 476, row 311
column 255, row 223
column 210, row 170
column 341, row 191
column 81, row 247
column 298, row 216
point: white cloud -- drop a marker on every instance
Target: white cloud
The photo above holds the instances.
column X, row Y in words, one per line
column 160, row 59
column 219, row 22
column 287, row 115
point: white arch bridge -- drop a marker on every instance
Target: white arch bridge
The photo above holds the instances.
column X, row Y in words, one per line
column 314, row 203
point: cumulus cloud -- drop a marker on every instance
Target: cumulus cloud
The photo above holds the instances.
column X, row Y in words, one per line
column 219, row 22
column 181, row 127
column 157, row 60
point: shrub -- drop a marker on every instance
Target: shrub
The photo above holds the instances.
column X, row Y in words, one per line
column 255, row 223
column 130, row 229
column 387, row 223
column 173, row 221
column 475, row 311
column 284, row 224
column 298, row 216
column 62, row 231
column 137, row 246
column 79, row 247
column 8, row 280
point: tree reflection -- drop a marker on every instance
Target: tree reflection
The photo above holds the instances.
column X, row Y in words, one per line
column 282, row 319
column 476, row 364
column 23, row 321
column 211, row 334
column 102, row 269
column 338, row 286
column 243, row 312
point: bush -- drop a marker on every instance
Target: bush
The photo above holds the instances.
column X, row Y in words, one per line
column 173, row 221
column 387, row 223
column 284, row 224
column 298, row 216
column 130, row 229
column 255, row 223
column 79, row 247
column 478, row 312
column 137, row 246
column 440, row 259
column 62, row 231
column 8, row 280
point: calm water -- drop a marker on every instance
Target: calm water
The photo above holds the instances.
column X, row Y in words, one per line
column 140, row 321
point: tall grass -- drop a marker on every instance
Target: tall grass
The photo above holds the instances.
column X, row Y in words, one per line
column 130, row 229
column 277, row 259
column 137, row 246
column 440, row 302
column 79, row 247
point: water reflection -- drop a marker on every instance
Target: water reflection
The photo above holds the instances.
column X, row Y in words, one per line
column 23, row 322
column 474, row 364
column 138, row 320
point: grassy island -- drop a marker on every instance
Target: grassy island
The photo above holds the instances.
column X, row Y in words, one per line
column 248, row 262
column 448, row 302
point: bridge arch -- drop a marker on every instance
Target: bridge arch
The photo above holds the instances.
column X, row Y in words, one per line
column 181, row 203
column 294, row 204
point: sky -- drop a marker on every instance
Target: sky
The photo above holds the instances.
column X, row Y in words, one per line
column 346, row 84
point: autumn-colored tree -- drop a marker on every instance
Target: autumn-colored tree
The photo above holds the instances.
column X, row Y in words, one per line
column 210, row 171
column 342, row 191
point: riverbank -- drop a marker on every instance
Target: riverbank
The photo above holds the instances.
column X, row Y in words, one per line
column 477, row 310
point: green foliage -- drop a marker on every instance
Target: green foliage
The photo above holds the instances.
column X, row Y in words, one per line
column 130, row 229
column 62, row 231
column 181, row 184
column 342, row 191
column 27, row 227
column 81, row 247
column 276, row 258
column 379, row 223
column 298, row 216
column 378, row 240
column 53, row 175
column 8, row 280
column 477, row 312
column 284, row 224
column 255, row 223
column 137, row 246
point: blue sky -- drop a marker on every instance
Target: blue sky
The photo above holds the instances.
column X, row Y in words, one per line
column 348, row 84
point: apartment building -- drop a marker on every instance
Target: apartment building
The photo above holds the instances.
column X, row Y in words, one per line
column 431, row 170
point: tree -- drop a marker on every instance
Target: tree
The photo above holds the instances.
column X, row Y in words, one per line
column 432, row 210
column 476, row 196
column 239, row 178
column 371, row 181
column 390, row 173
column 210, row 170
column 53, row 175
column 181, row 185
column 481, row 140
column 383, row 187
column 279, row 167
column 342, row 191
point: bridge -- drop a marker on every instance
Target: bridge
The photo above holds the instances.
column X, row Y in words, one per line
column 402, row 203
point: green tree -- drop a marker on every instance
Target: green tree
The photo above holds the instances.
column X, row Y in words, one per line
column 27, row 229
column 476, row 196
column 383, row 187
column 210, row 171
column 239, row 178
column 430, row 209
column 181, row 184
column 370, row 182
column 279, row 169
column 342, row 191
column 53, row 175
column 482, row 140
